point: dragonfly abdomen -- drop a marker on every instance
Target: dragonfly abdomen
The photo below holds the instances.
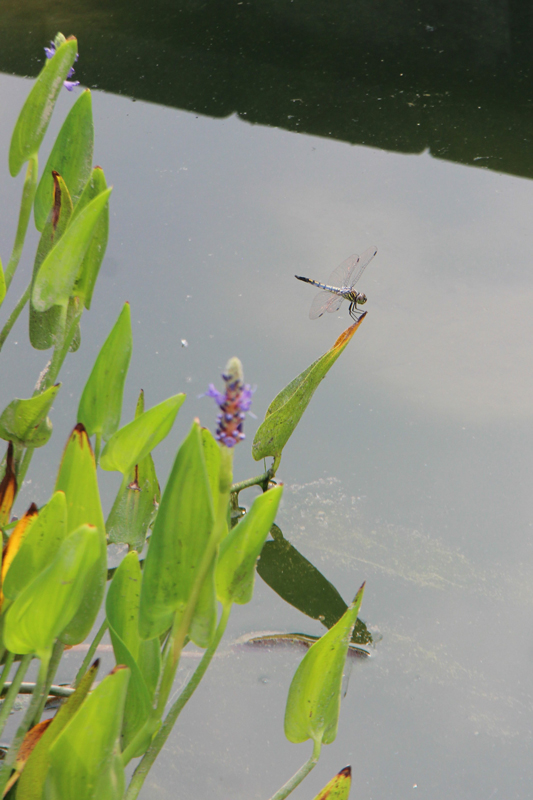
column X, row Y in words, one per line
column 333, row 289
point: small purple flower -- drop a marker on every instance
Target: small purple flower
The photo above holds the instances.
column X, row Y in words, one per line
column 233, row 404
column 50, row 53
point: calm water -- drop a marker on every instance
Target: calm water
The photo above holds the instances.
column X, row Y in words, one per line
column 411, row 468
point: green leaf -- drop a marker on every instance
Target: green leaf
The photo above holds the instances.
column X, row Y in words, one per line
column 212, row 461
column 240, row 549
column 46, row 328
column 54, row 283
column 33, row 120
column 285, row 411
column 3, row 288
column 47, row 605
column 31, row 782
column 313, row 704
column 94, row 256
column 71, row 157
column 101, row 402
column 301, row 584
column 178, row 541
column 134, row 441
column 122, row 611
column 25, row 422
column 84, row 762
column 39, row 546
column 77, row 479
column 338, row 788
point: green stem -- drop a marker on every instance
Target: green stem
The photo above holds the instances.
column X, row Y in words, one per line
column 27, row 719
column 29, row 688
column 6, row 330
column 161, row 736
column 53, row 664
column 11, row 695
column 90, row 652
column 298, row 777
column 28, row 194
column 97, row 446
column 10, row 657
column 73, row 316
column 24, row 464
column 259, row 480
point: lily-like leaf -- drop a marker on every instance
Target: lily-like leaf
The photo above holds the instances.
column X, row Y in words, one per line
column 14, row 543
column 101, row 402
column 134, row 441
column 55, row 281
column 38, row 547
column 285, row 411
column 338, row 788
column 33, row 120
column 84, row 759
column 122, row 611
column 46, row 327
column 240, row 549
column 301, row 584
column 313, row 704
column 25, row 422
column 94, row 256
column 179, row 538
column 8, row 487
column 32, row 780
column 47, row 605
column 77, row 479
column 71, row 157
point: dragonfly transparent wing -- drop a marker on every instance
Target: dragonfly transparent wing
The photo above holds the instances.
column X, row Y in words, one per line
column 364, row 261
column 325, row 301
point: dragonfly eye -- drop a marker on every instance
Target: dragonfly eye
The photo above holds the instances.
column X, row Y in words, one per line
column 362, row 299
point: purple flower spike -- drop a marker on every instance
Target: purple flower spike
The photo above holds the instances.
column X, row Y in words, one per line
column 233, row 405
column 50, row 53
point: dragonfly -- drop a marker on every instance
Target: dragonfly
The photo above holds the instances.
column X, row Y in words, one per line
column 340, row 287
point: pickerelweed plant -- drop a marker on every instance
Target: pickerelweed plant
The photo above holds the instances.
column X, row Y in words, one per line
column 202, row 549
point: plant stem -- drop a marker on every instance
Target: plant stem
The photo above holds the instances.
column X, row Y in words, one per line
column 259, row 480
column 11, row 695
column 53, row 664
column 4, row 333
column 73, row 316
column 90, row 652
column 161, row 736
column 27, row 720
column 298, row 777
column 10, row 657
column 29, row 688
column 28, row 194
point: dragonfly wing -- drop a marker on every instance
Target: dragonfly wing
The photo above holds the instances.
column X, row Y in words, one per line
column 364, row 261
column 341, row 276
column 325, row 301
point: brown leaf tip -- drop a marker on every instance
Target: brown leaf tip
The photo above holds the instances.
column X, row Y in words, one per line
column 346, row 772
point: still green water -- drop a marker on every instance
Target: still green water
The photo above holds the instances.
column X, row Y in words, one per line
column 277, row 140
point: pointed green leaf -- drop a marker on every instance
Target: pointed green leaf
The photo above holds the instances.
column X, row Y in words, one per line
column 313, row 704
column 338, row 788
column 83, row 758
column 101, row 402
column 181, row 532
column 134, row 441
column 240, row 549
column 46, row 327
column 77, row 479
column 55, row 281
column 94, row 256
column 25, row 422
column 122, row 611
column 47, row 605
column 301, row 584
column 31, row 782
column 285, row 411
column 39, row 547
column 212, row 460
column 33, row 120
column 71, row 157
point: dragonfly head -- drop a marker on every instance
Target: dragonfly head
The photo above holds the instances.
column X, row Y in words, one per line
column 361, row 299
